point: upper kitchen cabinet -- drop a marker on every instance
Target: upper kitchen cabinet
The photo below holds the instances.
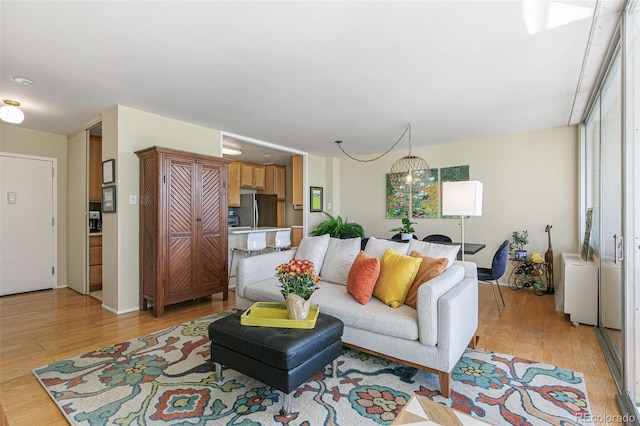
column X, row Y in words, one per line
column 95, row 168
column 298, row 192
column 233, row 183
column 252, row 176
column 275, row 181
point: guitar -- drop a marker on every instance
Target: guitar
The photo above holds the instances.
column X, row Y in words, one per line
column 548, row 258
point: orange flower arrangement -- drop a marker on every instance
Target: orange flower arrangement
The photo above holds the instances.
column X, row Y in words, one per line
column 298, row 277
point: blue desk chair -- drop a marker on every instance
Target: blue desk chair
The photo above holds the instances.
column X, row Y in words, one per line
column 434, row 238
column 498, row 267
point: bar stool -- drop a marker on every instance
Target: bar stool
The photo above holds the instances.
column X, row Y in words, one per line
column 282, row 240
column 255, row 243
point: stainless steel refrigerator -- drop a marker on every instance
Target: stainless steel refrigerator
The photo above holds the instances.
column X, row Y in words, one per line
column 258, row 210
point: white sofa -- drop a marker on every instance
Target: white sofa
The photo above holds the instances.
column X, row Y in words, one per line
column 432, row 337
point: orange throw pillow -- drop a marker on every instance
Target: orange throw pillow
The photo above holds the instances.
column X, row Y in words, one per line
column 429, row 268
column 362, row 277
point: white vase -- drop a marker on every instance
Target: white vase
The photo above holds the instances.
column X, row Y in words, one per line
column 297, row 307
column 406, row 237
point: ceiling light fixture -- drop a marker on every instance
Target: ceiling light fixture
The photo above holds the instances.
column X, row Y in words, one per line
column 11, row 113
column 231, row 151
column 410, row 174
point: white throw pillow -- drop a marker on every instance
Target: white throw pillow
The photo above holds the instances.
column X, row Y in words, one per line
column 435, row 250
column 339, row 258
column 314, row 250
column 377, row 248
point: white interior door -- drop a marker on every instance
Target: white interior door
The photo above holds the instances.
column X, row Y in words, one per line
column 77, row 211
column 27, row 224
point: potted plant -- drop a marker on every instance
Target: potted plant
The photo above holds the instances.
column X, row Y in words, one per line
column 336, row 227
column 298, row 280
column 517, row 243
column 406, row 230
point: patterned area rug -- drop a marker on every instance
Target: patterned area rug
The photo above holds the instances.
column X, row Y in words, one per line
column 166, row 377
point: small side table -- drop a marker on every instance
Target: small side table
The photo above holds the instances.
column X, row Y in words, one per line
column 528, row 274
column 420, row 410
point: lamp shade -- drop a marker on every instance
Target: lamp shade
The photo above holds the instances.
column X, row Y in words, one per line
column 462, row 198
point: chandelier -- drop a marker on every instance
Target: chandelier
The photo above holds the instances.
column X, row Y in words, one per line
column 409, row 174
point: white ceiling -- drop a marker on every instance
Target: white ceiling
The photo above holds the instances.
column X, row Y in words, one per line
column 304, row 74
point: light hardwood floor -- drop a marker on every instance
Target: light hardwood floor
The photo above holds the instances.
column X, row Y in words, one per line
column 42, row 327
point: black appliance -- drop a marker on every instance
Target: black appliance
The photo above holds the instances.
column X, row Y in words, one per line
column 233, row 218
column 95, row 218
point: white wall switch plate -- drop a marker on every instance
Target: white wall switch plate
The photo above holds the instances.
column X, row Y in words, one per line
column 133, row 199
column 12, row 197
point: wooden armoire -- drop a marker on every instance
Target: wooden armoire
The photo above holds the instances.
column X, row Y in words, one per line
column 183, row 227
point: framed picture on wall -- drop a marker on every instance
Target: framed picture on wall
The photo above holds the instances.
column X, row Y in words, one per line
column 315, row 196
column 109, row 199
column 109, row 171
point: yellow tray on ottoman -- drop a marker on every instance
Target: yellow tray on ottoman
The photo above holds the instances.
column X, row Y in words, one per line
column 274, row 314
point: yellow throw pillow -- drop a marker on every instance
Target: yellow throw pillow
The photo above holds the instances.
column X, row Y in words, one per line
column 429, row 268
column 397, row 273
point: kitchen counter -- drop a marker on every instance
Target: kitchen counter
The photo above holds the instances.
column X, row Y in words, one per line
column 248, row 229
column 238, row 238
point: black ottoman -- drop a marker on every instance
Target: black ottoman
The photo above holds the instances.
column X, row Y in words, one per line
column 282, row 358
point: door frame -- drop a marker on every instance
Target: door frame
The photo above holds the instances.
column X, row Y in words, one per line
column 77, row 212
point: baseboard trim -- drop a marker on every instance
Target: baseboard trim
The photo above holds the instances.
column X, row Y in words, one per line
column 117, row 312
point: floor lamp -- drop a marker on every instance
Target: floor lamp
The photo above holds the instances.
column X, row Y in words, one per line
column 462, row 199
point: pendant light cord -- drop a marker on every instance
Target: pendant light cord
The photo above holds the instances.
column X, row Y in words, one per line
column 407, row 129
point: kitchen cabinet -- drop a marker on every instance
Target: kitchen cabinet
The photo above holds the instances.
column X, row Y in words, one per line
column 95, row 168
column 233, row 183
column 281, row 216
column 183, row 227
column 297, row 178
column 95, row 262
column 252, row 176
column 275, row 181
column 296, row 236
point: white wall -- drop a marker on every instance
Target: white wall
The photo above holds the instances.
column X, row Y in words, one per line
column 530, row 180
column 126, row 130
column 18, row 140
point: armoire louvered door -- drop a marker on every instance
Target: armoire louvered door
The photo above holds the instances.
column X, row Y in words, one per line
column 183, row 229
column 212, row 271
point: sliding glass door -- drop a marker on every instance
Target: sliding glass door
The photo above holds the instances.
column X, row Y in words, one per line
column 611, row 177
column 631, row 222
column 612, row 188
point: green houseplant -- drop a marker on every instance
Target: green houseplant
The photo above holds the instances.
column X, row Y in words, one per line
column 336, row 227
column 517, row 243
column 406, row 229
